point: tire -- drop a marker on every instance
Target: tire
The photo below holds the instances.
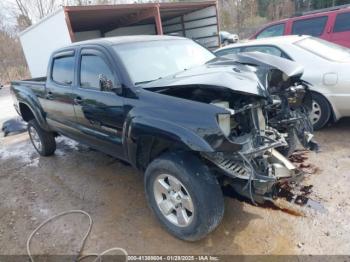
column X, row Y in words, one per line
column 195, row 184
column 321, row 111
column 43, row 141
column 226, row 42
column 292, row 141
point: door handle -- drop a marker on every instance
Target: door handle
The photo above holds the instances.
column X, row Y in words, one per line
column 78, row 100
column 49, row 95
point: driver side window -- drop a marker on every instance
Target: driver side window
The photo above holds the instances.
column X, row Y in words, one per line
column 94, row 71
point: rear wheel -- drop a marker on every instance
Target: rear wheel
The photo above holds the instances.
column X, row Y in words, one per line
column 184, row 196
column 43, row 141
column 320, row 112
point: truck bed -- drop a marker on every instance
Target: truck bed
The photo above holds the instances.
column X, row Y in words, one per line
column 36, row 85
column 31, row 81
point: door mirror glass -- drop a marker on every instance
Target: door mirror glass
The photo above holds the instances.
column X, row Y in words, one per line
column 106, row 85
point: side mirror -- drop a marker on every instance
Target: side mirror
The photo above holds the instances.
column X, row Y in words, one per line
column 107, row 85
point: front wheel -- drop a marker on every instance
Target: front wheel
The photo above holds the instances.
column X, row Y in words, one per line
column 185, row 197
column 43, row 141
column 320, row 112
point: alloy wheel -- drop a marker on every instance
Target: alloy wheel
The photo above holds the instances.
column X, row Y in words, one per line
column 173, row 200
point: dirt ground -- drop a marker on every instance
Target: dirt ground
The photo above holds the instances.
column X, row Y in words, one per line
column 33, row 188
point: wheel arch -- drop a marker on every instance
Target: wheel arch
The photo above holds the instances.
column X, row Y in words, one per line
column 148, row 138
column 26, row 113
column 151, row 147
column 30, row 112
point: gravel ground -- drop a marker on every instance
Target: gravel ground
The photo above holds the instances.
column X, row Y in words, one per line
column 33, row 188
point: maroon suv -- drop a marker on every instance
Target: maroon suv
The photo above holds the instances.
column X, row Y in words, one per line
column 333, row 26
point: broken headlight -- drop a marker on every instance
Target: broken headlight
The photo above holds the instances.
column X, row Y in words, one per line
column 224, row 121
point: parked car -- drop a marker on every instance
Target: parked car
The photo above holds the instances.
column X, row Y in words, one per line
column 333, row 26
column 326, row 68
column 228, row 38
column 191, row 122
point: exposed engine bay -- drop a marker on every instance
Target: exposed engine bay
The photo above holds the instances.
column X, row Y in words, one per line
column 264, row 125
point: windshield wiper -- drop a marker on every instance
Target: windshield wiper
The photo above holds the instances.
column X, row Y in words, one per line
column 148, row 81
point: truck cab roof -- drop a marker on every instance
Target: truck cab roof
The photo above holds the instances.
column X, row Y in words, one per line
column 124, row 40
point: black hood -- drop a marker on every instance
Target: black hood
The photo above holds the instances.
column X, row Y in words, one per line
column 232, row 72
column 219, row 72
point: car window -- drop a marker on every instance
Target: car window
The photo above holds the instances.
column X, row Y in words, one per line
column 91, row 69
column 274, row 30
column 63, row 70
column 342, row 23
column 312, row 26
column 264, row 49
column 227, row 51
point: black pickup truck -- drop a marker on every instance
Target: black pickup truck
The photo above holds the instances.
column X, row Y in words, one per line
column 191, row 122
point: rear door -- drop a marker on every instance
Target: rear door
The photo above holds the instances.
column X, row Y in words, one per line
column 99, row 111
column 59, row 98
column 340, row 31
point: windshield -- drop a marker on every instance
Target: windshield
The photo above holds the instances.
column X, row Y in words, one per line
column 325, row 49
column 148, row 61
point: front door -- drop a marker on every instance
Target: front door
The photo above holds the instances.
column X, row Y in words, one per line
column 99, row 110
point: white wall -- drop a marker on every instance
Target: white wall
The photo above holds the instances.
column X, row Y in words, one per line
column 87, row 35
column 133, row 30
column 41, row 39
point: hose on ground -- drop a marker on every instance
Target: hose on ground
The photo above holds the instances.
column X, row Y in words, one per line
column 80, row 257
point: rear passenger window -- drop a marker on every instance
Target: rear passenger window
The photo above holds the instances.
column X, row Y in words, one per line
column 92, row 68
column 312, row 26
column 342, row 23
column 274, row 30
column 63, row 70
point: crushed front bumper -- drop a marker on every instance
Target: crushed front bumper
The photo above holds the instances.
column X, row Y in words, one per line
column 255, row 173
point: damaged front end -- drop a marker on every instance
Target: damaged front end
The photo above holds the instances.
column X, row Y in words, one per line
column 290, row 101
column 253, row 120
column 258, row 168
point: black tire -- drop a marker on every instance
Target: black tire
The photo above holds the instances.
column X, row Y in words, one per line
column 292, row 141
column 323, row 108
column 47, row 139
column 202, row 187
